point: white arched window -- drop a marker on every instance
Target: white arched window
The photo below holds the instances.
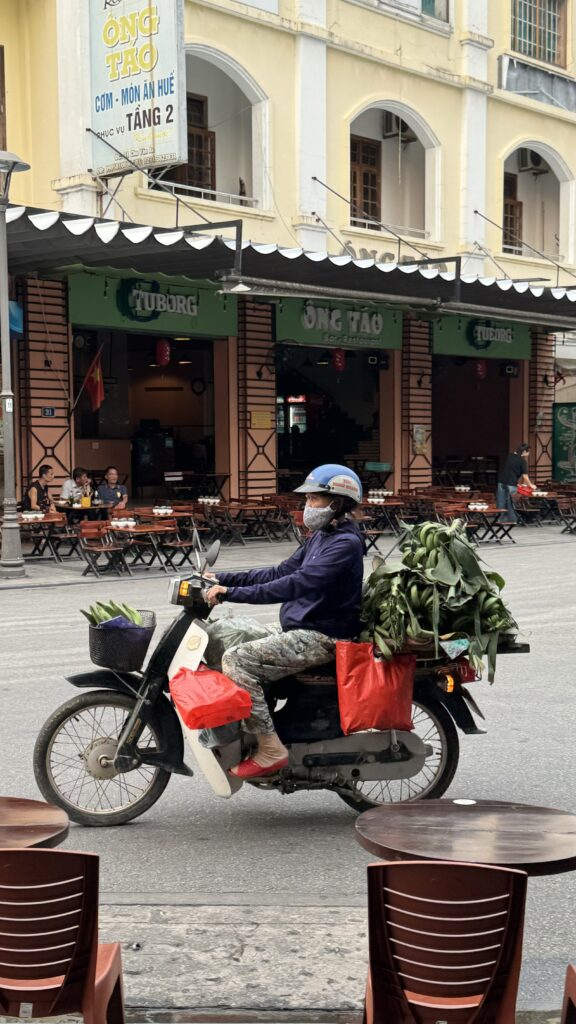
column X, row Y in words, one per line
column 227, row 121
column 538, row 203
column 394, row 171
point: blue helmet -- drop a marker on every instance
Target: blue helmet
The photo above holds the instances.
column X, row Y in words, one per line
column 333, row 479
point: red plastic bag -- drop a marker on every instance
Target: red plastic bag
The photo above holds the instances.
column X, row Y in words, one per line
column 524, row 491
column 206, row 698
column 373, row 693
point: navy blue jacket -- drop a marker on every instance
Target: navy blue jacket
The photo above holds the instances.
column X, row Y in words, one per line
column 319, row 586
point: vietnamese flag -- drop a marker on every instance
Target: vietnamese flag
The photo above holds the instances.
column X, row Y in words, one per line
column 94, row 383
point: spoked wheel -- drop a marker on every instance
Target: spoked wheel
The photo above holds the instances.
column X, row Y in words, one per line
column 434, row 726
column 73, row 761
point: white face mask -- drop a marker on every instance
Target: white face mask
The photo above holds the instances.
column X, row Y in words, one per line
column 318, row 518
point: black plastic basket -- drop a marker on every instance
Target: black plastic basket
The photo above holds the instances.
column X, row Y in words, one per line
column 122, row 649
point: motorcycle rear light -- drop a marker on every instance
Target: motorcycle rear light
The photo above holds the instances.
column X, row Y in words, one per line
column 447, row 683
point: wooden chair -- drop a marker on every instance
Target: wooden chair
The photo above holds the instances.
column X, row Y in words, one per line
column 569, row 1005
column 96, row 542
column 64, row 534
column 50, row 960
column 445, row 942
column 171, row 544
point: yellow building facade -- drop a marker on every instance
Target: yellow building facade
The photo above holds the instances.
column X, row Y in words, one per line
column 451, row 123
column 389, row 130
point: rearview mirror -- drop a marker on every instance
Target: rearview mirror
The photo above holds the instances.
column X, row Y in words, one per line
column 197, row 544
column 212, row 553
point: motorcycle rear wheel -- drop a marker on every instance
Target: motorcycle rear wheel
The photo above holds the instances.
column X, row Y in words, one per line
column 433, row 725
column 67, row 766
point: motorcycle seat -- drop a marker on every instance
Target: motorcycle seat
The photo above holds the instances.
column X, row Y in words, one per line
column 321, row 675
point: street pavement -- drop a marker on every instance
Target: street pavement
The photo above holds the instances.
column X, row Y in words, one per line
column 258, row 903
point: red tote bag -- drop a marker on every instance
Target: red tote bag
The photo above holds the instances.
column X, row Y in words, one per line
column 206, row 699
column 373, row 693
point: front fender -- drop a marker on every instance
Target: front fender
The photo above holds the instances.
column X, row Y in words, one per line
column 171, row 757
column 107, row 679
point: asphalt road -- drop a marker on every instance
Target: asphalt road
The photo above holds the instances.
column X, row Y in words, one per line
column 261, row 849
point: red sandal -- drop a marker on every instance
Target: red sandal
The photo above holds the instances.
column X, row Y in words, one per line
column 250, row 769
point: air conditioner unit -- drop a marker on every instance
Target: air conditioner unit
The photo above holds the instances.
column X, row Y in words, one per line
column 393, row 126
column 528, row 160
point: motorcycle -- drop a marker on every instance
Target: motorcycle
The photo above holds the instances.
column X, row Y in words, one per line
column 107, row 755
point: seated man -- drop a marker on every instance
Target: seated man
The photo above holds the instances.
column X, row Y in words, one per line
column 320, row 587
column 77, row 486
column 37, row 497
column 110, row 492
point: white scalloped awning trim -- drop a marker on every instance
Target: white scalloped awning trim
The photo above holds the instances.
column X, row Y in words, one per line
column 14, row 213
column 44, row 221
column 107, row 230
column 79, row 227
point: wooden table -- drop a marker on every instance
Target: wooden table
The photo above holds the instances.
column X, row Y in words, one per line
column 25, row 823
column 538, row 840
column 75, row 513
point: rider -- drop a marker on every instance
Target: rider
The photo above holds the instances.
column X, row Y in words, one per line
column 320, row 588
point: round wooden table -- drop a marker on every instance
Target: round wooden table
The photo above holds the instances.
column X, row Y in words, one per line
column 538, row 840
column 25, row 823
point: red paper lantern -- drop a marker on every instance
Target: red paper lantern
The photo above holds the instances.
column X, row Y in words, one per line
column 481, row 369
column 163, row 352
column 339, row 359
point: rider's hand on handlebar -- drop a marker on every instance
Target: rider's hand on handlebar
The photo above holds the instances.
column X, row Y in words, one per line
column 215, row 595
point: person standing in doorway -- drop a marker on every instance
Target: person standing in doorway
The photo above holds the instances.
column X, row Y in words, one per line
column 513, row 472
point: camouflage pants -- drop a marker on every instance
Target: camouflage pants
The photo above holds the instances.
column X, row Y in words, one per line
column 270, row 658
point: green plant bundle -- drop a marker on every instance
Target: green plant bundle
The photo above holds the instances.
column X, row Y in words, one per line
column 438, row 591
column 104, row 610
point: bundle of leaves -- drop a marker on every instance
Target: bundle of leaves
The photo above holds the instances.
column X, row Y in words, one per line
column 437, row 592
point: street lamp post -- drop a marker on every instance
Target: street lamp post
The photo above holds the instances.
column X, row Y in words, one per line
column 11, row 561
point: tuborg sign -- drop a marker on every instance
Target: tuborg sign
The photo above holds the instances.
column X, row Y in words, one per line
column 138, row 90
column 492, row 339
column 145, row 304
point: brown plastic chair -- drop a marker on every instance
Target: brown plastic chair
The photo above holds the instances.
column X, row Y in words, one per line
column 445, row 942
column 569, row 1005
column 50, row 959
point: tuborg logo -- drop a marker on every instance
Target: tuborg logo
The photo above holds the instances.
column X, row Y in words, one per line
column 144, row 301
column 481, row 334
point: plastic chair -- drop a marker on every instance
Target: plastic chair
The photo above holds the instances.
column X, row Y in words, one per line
column 445, row 942
column 569, row 1005
column 50, row 959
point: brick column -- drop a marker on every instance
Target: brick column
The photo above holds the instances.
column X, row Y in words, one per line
column 257, row 449
column 44, row 380
column 541, row 400
column 416, row 404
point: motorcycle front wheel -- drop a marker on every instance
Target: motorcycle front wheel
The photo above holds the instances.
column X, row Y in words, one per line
column 73, row 755
column 434, row 726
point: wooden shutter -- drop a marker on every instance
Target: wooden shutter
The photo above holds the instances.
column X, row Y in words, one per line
column 200, row 171
column 365, row 179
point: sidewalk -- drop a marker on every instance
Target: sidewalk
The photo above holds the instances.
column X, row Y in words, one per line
column 43, row 572
column 272, row 962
